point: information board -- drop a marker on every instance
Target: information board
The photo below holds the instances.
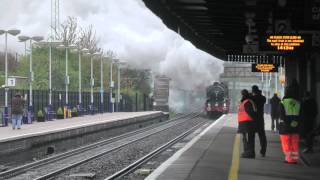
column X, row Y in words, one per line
column 264, row 68
column 285, row 43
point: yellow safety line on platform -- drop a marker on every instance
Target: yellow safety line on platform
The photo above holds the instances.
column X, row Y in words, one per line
column 233, row 173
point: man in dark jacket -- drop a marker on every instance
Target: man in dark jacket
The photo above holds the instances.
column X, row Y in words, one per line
column 260, row 100
column 17, row 106
column 246, row 122
column 275, row 101
column 309, row 112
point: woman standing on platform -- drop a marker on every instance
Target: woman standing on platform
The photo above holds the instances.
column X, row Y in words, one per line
column 247, row 123
column 289, row 126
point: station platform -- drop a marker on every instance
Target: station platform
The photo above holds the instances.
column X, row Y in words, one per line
column 215, row 154
column 44, row 132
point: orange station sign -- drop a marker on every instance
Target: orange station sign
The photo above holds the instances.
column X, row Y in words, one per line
column 285, row 43
column 264, row 68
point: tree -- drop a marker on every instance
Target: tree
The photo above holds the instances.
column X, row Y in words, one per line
column 89, row 40
column 69, row 31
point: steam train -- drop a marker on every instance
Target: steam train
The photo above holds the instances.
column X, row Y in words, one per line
column 217, row 102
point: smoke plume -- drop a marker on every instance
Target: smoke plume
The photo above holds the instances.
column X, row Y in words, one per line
column 128, row 28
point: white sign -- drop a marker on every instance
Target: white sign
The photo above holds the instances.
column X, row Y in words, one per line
column 11, row 82
column 282, row 27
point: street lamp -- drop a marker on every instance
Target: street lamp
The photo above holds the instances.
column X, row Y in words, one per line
column 12, row 32
column 67, row 79
column 112, row 84
column 119, row 64
column 80, row 51
column 101, row 80
column 49, row 44
column 30, row 39
column 91, row 107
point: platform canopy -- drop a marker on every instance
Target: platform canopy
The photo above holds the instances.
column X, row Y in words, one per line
column 222, row 27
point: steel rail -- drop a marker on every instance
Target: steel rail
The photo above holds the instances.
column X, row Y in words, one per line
column 59, row 171
column 129, row 169
column 21, row 169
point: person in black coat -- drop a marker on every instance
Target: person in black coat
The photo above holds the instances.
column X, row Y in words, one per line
column 275, row 101
column 260, row 100
column 246, row 124
column 309, row 112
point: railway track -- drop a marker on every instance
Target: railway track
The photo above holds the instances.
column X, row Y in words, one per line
column 135, row 165
column 64, row 161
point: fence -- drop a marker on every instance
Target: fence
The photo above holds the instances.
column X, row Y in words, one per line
column 139, row 102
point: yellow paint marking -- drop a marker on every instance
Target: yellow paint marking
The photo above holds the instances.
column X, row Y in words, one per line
column 233, row 173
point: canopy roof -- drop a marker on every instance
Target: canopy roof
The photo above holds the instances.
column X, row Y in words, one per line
column 220, row 27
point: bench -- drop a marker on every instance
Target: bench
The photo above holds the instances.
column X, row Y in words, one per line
column 49, row 114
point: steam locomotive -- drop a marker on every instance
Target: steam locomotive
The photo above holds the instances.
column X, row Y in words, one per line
column 217, row 102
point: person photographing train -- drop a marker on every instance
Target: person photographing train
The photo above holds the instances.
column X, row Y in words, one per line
column 247, row 114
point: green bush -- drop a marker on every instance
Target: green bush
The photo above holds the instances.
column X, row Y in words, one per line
column 74, row 110
column 59, row 111
column 40, row 114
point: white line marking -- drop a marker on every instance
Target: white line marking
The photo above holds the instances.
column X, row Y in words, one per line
column 156, row 173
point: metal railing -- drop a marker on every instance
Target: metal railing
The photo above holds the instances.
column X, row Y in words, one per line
column 137, row 102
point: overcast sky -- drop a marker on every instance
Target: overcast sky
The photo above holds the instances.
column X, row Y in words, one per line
column 125, row 26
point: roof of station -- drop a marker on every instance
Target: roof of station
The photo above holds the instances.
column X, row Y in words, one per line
column 220, row 27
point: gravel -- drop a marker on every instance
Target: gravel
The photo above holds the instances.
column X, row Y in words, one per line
column 106, row 165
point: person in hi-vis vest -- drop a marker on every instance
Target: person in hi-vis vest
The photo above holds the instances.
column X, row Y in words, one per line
column 247, row 122
column 289, row 126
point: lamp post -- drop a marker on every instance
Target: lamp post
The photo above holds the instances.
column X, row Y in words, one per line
column 119, row 64
column 111, row 85
column 91, row 107
column 101, row 81
column 12, row 32
column 67, row 80
column 80, row 51
column 49, row 45
column 31, row 75
column 101, row 85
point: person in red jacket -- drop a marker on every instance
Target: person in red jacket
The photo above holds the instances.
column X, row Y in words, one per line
column 246, row 120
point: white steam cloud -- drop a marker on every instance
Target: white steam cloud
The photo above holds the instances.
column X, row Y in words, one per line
column 126, row 27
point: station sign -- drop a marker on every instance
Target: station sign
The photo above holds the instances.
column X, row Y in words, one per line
column 285, row 43
column 11, row 82
column 264, row 67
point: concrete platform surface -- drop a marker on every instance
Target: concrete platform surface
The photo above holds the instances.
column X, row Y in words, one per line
column 215, row 154
column 41, row 128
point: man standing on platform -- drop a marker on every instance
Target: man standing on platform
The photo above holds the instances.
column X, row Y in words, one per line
column 260, row 100
column 17, row 106
column 275, row 101
column 309, row 113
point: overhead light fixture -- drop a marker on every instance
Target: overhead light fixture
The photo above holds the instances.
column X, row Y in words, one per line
column 282, row 3
column 251, row 2
column 249, row 39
